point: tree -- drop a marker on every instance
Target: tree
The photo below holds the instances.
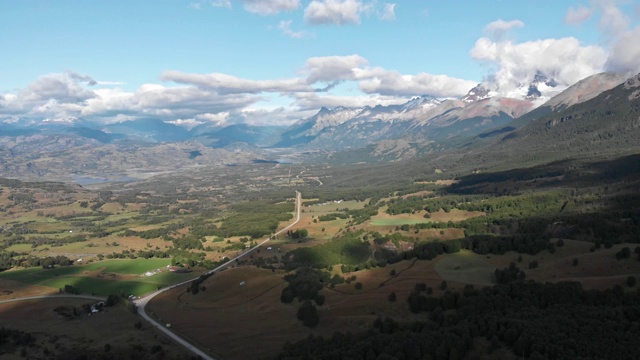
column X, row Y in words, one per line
column 575, row 262
column 392, row 297
column 287, row 295
column 358, row 286
column 308, row 314
column 631, row 281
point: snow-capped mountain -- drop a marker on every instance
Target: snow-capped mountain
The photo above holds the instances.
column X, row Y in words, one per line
column 479, row 92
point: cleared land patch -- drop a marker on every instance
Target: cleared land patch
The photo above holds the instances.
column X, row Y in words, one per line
column 466, row 267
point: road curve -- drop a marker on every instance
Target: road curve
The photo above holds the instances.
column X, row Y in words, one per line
column 142, row 303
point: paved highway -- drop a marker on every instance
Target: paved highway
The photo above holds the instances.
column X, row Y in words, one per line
column 142, row 303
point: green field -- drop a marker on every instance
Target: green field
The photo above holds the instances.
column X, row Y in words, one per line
column 73, row 275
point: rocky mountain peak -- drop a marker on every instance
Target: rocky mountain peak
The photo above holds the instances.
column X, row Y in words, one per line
column 479, row 92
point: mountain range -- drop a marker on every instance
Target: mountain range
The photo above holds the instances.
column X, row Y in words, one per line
column 420, row 126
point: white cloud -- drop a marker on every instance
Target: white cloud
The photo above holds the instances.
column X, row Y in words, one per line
column 285, row 27
column 337, row 12
column 394, row 83
column 514, row 64
column 624, row 57
column 618, row 37
column 499, row 28
column 389, row 12
column 577, row 15
column 221, row 3
column 376, row 80
column 612, row 20
column 270, row 7
column 333, row 68
column 217, row 97
column 228, row 84
column 313, row 101
column 63, row 88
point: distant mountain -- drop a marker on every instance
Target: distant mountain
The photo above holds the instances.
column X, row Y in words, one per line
column 479, row 92
column 153, row 130
column 421, row 125
column 63, row 157
column 421, row 119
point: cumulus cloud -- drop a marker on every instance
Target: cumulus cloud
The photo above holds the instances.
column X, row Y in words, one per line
column 515, row 64
column 64, row 88
column 499, row 28
column 337, row 12
column 270, row 7
column 333, row 68
column 66, row 97
column 615, row 26
column 577, row 15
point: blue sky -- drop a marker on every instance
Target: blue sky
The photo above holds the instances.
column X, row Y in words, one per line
column 276, row 61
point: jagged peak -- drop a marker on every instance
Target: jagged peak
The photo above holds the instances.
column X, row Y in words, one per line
column 478, row 92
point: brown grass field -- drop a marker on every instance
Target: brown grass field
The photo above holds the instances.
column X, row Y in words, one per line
column 12, row 289
column 86, row 333
column 227, row 315
column 595, row 270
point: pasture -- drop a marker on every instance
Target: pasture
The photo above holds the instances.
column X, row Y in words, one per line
column 594, row 270
column 57, row 336
column 466, row 267
column 254, row 311
column 101, row 278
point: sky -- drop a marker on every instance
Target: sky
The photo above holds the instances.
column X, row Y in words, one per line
column 273, row 62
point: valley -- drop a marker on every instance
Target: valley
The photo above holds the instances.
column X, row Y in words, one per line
column 479, row 225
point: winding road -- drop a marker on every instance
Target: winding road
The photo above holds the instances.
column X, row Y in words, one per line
column 142, row 303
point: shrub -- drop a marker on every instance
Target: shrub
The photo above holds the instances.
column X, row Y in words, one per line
column 443, row 285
